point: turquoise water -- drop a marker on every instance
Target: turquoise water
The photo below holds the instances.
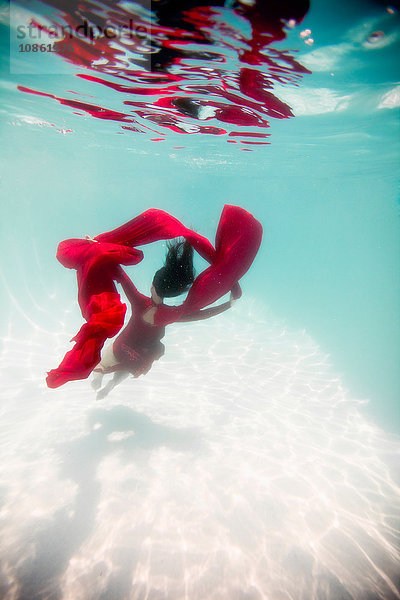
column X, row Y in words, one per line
column 265, row 441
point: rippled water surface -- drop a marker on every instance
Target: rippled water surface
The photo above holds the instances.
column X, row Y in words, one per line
column 182, row 69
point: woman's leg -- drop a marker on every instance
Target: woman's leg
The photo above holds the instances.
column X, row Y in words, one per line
column 118, row 377
column 108, row 359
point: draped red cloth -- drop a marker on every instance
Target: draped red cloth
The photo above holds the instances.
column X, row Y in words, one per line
column 237, row 241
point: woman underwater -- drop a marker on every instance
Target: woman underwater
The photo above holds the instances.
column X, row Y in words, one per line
column 139, row 344
column 98, row 264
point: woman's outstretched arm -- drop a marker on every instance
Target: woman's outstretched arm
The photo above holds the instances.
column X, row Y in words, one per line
column 207, row 313
column 130, row 290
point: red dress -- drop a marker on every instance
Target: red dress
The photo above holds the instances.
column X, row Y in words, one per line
column 139, row 343
column 237, row 241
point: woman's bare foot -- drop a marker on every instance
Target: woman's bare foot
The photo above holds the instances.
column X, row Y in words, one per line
column 96, row 381
column 104, row 391
column 117, row 378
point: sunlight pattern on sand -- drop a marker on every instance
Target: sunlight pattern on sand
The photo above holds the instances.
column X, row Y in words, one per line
column 239, row 468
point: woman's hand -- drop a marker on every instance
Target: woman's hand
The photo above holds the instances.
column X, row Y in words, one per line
column 148, row 315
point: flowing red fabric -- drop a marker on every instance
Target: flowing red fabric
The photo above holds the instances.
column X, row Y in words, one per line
column 237, row 241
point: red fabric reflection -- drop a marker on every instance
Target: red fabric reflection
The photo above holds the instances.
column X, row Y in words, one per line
column 183, row 64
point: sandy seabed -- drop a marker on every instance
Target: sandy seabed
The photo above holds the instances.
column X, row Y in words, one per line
column 239, row 468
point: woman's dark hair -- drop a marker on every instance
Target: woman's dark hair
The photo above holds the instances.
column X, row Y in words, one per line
column 177, row 274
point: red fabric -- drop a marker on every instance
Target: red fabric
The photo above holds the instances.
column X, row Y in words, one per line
column 94, row 265
column 105, row 317
column 237, row 241
column 154, row 225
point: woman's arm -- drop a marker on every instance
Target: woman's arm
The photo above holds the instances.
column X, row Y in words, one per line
column 130, row 290
column 207, row 313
